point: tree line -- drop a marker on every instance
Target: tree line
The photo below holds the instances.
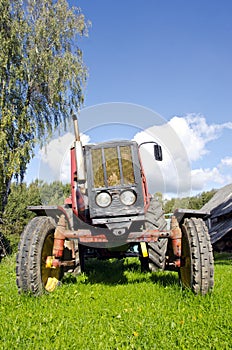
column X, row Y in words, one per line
column 194, row 202
column 16, row 215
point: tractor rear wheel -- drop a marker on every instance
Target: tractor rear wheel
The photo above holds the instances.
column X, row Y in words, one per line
column 197, row 265
column 35, row 245
column 154, row 219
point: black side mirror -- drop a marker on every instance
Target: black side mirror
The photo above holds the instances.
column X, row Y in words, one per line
column 158, row 152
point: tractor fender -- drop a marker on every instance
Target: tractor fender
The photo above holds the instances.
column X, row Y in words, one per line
column 181, row 214
column 54, row 211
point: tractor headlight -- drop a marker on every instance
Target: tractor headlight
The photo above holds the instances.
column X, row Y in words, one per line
column 103, row 199
column 128, row 197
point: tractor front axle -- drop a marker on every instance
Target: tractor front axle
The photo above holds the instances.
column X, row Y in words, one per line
column 97, row 235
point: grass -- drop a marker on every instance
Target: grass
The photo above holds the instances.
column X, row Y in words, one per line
column 114, row 306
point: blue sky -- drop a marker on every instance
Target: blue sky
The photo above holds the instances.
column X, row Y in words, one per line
column 173, row 57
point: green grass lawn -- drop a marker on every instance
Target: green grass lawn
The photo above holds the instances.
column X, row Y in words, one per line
column 114, row 306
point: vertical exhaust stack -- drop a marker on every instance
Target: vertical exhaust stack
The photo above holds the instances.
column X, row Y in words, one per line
column 79, row 152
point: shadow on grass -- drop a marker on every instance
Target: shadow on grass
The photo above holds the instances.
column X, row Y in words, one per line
column 107, row 272
column 223, row 258
column 125, row 271
column 166, row 278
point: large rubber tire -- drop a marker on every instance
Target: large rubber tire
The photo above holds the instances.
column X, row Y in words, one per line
column 35, row 245
column 197, row 271
column 154, row 219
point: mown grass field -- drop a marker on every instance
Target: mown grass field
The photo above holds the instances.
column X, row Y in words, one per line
column 114, row 306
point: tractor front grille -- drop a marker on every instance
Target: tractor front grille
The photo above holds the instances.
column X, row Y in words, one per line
column 112, row 166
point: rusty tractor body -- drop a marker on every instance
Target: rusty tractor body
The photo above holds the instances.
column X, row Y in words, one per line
column 110, row 214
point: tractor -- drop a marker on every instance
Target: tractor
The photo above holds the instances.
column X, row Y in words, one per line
column 110, row 214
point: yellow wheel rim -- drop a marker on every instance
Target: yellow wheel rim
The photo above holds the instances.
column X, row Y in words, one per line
column 50, row 276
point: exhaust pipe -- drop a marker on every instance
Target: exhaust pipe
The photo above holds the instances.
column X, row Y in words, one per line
column 79, row 152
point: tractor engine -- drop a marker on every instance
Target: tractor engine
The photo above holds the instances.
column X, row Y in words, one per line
column 115, row 189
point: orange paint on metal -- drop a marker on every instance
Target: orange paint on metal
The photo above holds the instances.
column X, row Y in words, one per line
column 59, row 238
column 176, row 238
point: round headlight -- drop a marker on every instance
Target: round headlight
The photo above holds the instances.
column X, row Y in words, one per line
column 103, row 199
column 128, row 197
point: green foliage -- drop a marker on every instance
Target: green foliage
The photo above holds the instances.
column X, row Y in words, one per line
column 130, row 310
column 54, row 193
column 16, row 215
column 42, row 76
column 194, row 203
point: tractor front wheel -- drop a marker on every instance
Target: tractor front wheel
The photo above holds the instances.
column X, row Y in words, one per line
column 155, row 220
column 35, row 245
column 197, row 266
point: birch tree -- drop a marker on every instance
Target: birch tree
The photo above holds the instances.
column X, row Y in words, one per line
column 42, row 78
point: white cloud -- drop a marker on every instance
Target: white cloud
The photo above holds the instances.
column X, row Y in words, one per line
column 202, row 177
column 193, row 143
column 227, row 161
column 184, row 140
column 173, row 173
column 195, row 133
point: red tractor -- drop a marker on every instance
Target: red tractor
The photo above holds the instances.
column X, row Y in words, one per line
column 110, row 214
